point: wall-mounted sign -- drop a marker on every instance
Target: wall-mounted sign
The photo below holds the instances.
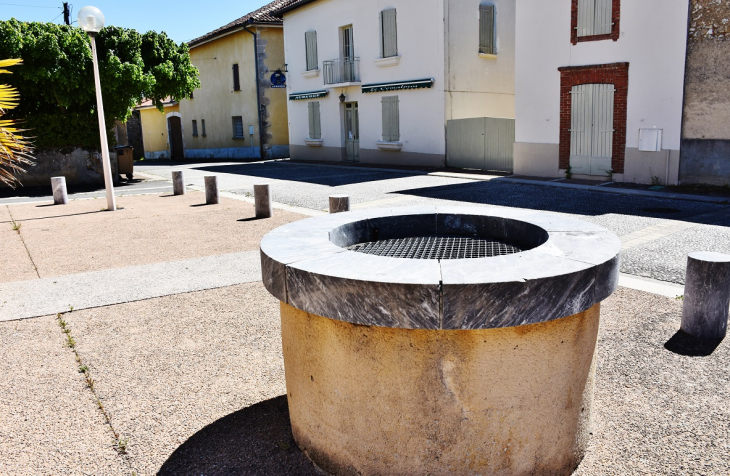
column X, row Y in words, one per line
column 308, row 95
column 278, row 80
column 397, row 85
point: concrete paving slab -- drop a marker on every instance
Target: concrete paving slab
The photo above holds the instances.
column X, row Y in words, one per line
column 15, row 265
column 168, row 367
column 79, row 237
column 50, row 423
column 39, row 297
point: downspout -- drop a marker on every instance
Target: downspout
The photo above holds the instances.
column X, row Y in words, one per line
column 258, row 87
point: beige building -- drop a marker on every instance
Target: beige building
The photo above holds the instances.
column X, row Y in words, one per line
column 239, row 112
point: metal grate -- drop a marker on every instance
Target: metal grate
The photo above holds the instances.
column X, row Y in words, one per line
column 436, row 247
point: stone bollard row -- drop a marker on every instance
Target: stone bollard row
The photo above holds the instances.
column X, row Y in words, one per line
column 60, row 195
column 212, row 197
column 178, row 183
column 262, row 200
column 706, row 295
column 339, row 203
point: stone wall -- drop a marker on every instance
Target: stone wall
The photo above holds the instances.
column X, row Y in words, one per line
column 134, row 135
column 79, row 166
column 706, row 125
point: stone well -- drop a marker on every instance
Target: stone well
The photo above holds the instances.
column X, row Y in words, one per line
column 440, row 340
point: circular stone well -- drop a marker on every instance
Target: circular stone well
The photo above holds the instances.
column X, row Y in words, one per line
column 440, row 339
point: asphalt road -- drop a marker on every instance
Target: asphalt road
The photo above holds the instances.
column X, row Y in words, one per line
column 309, row 186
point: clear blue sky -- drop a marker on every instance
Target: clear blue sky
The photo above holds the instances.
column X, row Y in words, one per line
column 182, row 20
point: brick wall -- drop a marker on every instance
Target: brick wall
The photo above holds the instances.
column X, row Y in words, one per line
column 616, row 74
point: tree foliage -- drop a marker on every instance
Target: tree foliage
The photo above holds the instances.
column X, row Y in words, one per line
column 57, row 80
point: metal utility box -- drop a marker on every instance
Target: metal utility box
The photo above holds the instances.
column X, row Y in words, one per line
column 125, row 155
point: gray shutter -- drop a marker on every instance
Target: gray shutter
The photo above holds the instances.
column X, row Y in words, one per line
column 486, row 29
column 603, row 17
column 315, row 131
column 389, row 33
column 310, row 44
column 391, row 122
column 586, row 17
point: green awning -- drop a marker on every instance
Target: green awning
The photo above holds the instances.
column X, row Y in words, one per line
column 308, row 95
column 397, row 85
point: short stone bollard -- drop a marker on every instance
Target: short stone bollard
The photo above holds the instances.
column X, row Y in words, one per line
column 60, row 195
column 178, row 183
column 706, row 295
column 262, row 200
column 211, row 190
column 339, row 203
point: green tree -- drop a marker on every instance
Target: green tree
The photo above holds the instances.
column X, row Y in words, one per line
column 57, row 79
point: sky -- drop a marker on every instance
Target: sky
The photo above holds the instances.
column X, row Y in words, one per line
column 182, row 20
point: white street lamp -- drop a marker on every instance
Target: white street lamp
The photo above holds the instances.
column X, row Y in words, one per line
column 92, row 21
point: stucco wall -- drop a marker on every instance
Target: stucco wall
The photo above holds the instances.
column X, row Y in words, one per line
column 652, row 40
column 479, row 86
column 278, row 123
column 421, row 51
column 154, row 131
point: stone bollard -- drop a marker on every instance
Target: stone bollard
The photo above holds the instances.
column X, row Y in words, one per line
column 60, row 195
column 178, row 183
column 339, row 203
column 211, row 190
column 706, row 295
column 262, row 200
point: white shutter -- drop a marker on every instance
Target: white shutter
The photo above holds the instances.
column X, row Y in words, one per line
column 310, row 45
column 602, row 120
column 586, row 17
column 486, row 30
column 391, row 121
column 603, row 17
column 315, row 131
column 591, row 128
column 389, row 33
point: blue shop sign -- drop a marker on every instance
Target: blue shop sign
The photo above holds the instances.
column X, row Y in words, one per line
column 278, row 80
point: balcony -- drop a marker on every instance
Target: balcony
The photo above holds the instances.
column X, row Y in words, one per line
column 343, row 71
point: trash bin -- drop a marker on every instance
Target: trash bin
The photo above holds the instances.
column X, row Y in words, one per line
column 438, row 340
column 125, row 155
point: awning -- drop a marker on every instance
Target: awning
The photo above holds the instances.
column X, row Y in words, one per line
column 397, row 85
column 308, row 95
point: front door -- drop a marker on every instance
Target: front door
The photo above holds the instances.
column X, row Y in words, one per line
column 591, row 128
column 352, row 133
column 174, row 129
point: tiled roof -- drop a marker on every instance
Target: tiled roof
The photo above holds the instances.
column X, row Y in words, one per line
column 287, row 5
column 262, row 15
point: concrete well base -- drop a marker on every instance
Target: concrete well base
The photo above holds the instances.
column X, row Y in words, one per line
column 380, row 400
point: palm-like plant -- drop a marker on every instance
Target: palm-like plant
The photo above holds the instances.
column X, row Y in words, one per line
column 15, row 150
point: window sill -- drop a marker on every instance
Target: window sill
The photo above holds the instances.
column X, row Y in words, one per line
column 387, row 62
column 488, row 55
column 389, row 145
column 312, row 73
column 238, row 138
column 313, row 142
column 343, row 85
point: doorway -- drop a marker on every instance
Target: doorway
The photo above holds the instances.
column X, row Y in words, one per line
column 174, row 133
column 352, row 133
column 591, row 128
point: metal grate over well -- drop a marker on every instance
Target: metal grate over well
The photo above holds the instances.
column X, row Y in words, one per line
column 436, row 247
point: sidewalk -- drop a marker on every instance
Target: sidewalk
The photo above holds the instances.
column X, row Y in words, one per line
column 171, row 363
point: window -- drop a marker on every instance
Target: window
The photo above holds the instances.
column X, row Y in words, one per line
column 315, row 129
column 486, row 30
column 347, row 43
column 195, row 128
column 236, row 79
column 202, row 124
column 237, row 127
column 388, row 34
column 595, row 20
column 310, row 45
column 391, row 122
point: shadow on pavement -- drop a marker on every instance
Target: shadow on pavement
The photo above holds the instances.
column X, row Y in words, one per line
column 685, row 344
column 252, row 441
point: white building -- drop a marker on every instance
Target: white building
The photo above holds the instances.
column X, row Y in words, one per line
column 526, row 86
column 377, row 81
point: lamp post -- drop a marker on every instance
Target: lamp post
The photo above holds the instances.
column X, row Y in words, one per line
column 92, row 21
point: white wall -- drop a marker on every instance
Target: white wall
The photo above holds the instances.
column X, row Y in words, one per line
column 479, row 86
column 652, row 39
column 420, row 46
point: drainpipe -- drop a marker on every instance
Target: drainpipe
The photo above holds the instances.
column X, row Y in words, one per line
column 258, row 87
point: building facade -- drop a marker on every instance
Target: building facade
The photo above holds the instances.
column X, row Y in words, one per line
column 158, row 128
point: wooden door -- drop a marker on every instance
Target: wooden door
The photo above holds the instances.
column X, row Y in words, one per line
column 174, row 127
column 591, row 128
column 352, row 132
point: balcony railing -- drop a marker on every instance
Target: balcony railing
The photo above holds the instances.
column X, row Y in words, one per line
column 343, row 70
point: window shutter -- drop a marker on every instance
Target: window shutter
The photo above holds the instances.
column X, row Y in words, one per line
column 195, row 128
column 315, row 131
column 586, row 17
column 236, row 80
column 486, row 30
column 391, row 122
column 202, row 124
column 603, row 17
column 389, row 33
column 310, row 45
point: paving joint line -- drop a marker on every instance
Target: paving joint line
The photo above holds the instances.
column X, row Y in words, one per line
column 16, row 226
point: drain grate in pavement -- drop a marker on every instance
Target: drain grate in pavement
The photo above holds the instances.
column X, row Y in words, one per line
column 436, row 247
